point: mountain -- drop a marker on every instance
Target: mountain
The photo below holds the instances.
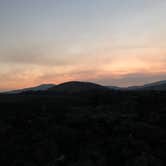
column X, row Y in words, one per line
column 77, row 87
column 160, row 85
column 156, row 86
column 42, row 87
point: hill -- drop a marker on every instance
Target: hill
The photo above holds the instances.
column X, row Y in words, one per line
column 155, row 86
column 77, row 87
column 42, row 87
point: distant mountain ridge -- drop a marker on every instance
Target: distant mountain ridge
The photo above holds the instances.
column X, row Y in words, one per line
column 156, row 86
column 78, row 86
column 42, row 87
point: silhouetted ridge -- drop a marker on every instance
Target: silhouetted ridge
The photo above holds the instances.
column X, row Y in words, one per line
column 76, row 86
column 160, row 85
column 42, row 87
column 155, row 86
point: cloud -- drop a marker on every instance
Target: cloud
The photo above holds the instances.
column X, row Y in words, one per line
column 34, row 56
column 29, row 66
column 21, row 77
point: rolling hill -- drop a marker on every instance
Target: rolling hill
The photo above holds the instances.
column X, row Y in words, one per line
column 77, row 87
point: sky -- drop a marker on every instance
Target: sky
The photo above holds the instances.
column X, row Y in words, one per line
column 110, row 42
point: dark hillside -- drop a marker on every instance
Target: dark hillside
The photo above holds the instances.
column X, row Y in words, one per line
column 103, row 128
column 78, row 87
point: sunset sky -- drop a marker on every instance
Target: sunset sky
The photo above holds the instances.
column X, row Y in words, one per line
column 110, row 42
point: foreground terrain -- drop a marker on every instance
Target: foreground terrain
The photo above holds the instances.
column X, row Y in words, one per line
column 97, row 127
